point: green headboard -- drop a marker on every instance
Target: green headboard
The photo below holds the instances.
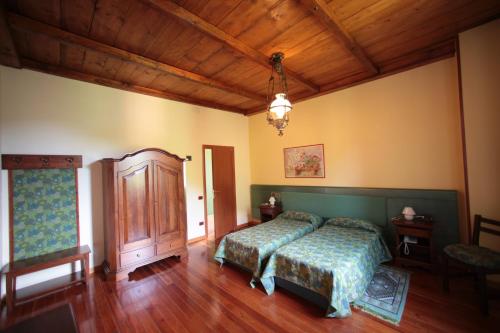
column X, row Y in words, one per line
column 378, row 205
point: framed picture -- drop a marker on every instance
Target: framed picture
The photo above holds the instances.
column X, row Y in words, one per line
column 305, row 162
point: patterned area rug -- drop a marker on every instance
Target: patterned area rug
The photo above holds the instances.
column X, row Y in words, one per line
column 386, row 294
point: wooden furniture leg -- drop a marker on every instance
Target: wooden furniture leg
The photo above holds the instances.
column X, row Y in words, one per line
column 86, row 267
column 483, row 292
column 446, row 281
column 9, row 292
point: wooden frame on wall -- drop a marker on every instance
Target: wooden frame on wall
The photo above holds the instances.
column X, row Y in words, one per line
column 296, row 167
column 26, row 162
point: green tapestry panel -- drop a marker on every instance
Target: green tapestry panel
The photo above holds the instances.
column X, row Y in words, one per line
column 44, row 211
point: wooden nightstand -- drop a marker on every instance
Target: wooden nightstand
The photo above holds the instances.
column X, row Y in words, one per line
column 268, row 213
column 420, row 254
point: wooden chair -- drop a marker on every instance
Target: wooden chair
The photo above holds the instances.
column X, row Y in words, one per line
column 477, row 260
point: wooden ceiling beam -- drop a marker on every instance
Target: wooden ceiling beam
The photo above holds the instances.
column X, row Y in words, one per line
column 207, row 28
column 72, row 74
column 32, row 26
column 325, row 13
column 8, row 51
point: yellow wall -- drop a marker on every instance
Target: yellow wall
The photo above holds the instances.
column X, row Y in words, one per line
column 402, row 131
column 480, row 66
column 44, row 114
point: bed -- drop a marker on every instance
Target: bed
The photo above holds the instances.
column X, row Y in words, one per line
column 337, row 261
column 250, row 248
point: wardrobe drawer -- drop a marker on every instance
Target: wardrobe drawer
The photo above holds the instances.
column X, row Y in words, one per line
column 167, row 246
column 136, row 256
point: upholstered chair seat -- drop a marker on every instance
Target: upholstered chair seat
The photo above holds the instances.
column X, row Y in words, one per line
column 479, row 261
column 474, row 255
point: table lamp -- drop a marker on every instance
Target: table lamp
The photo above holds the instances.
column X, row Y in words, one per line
column 408, row 213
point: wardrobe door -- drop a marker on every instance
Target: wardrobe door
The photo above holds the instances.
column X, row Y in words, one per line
column 169, row 201
column 136, row 206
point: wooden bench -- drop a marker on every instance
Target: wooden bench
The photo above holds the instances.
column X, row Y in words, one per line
column 22, row 267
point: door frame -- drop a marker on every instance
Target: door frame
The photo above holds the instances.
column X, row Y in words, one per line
column 203, row 147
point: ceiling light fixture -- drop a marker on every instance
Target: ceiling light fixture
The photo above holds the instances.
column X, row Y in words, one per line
column 280, row 106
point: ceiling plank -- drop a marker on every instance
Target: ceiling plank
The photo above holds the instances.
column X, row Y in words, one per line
column 26, row 24
column 436, row 52
column 323, row 11
column 189, row 18
column 68, row 73
column 8, row 51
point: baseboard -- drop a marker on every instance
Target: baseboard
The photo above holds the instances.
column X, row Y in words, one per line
column 196, row 239
column 246, row 225
column 253, row 222
column 96, row 270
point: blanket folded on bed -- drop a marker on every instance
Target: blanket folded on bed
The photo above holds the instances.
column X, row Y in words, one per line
column 337, row 261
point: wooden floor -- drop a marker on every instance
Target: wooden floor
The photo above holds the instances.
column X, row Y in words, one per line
column 195, row 295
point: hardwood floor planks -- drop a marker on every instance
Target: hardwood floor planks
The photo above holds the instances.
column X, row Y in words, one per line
column 196, row 295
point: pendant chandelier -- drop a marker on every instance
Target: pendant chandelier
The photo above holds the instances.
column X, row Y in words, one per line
column 277, row 95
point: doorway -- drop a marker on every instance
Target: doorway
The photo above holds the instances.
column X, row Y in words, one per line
column 219, row 188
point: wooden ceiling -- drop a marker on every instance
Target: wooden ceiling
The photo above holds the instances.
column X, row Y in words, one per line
column 216, row 53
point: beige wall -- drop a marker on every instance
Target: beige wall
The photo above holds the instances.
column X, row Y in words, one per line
column 402, row 131
column 44, row 114
column 480, row 66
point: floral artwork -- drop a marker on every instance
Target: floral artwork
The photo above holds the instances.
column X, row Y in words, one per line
column 305, row 162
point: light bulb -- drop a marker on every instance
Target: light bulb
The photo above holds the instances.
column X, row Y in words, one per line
column 280, row 106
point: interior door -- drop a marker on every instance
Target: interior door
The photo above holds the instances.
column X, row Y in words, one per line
column 169, row 195
column 135, row 206
column 224, row 190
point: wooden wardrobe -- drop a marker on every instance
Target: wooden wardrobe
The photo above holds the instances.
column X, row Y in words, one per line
column 144, row 210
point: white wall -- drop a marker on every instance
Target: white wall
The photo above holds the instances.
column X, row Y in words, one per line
column 44, row 114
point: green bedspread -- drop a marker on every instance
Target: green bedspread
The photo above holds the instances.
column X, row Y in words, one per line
column 250, row 247
column 337, row 261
